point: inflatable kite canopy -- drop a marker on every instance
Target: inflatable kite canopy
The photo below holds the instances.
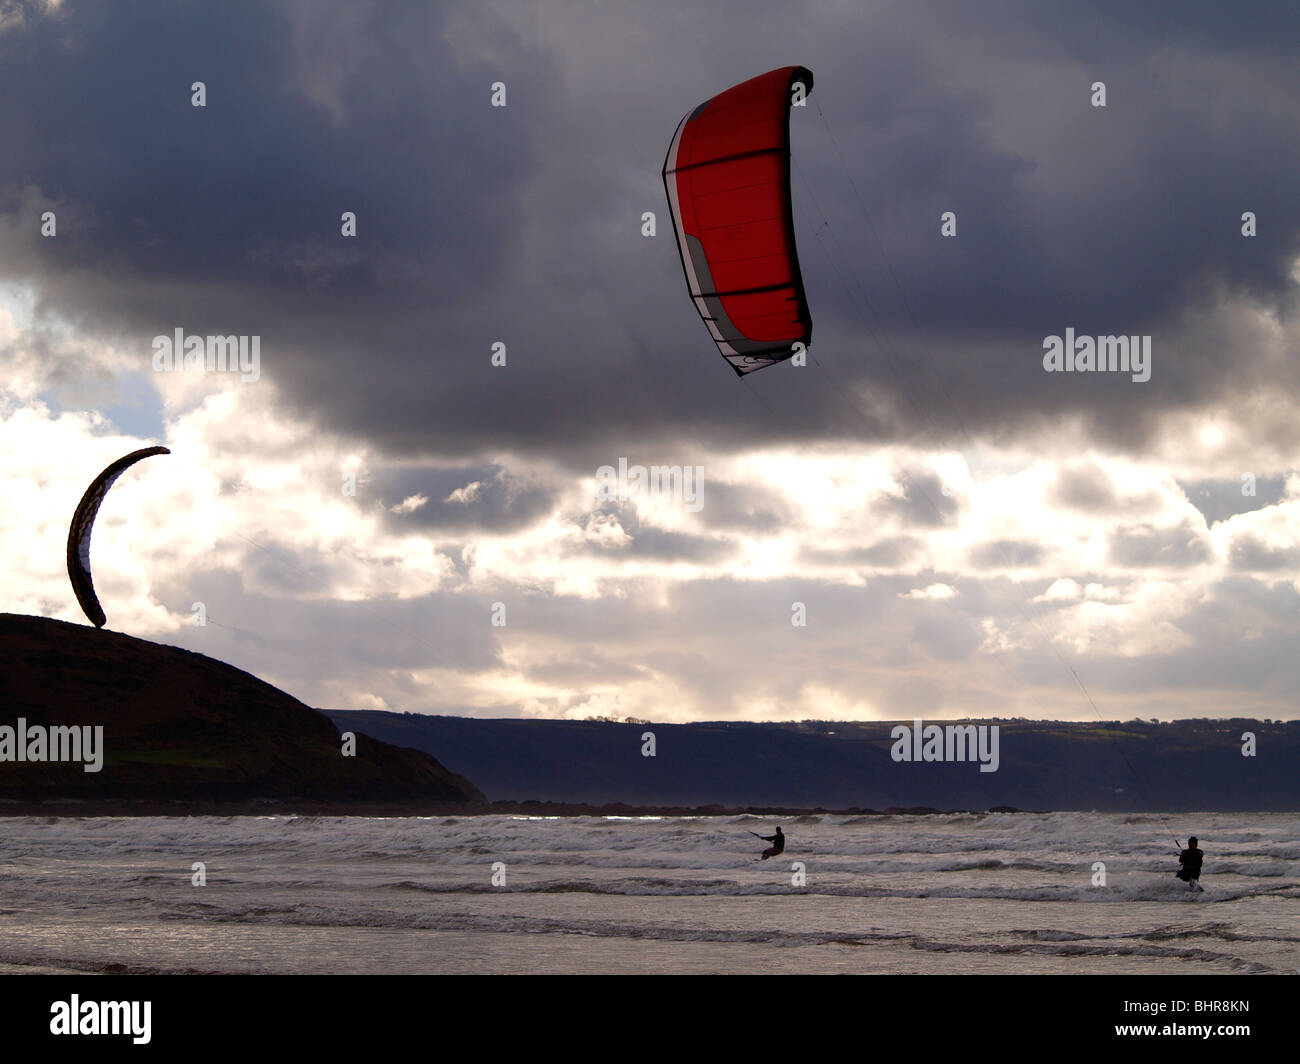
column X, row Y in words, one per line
column 83, row 520
column 727, row 176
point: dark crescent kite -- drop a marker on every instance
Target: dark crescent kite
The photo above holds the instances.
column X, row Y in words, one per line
column 83, row 520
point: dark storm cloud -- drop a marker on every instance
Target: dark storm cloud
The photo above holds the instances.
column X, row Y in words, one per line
column 1142, row 546
column 247, row 192
column 1193, row 106
column 1115, row 220
column 521, row 224
column 1094, row 30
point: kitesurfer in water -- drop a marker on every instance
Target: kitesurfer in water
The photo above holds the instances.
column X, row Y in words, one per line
column 1191, row 859
column 777, row 841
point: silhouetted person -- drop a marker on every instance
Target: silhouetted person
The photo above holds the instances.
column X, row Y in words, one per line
column 778, row 844
column 1191, row 859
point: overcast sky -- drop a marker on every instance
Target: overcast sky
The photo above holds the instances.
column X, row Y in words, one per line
column 961, row 527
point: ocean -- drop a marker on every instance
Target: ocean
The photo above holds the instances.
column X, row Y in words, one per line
column 957, row 893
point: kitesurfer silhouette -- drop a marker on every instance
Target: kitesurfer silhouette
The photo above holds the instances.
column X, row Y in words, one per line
column 1191, row 859
column 778, row 844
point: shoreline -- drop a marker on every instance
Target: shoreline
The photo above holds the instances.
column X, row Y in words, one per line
column 289, row 807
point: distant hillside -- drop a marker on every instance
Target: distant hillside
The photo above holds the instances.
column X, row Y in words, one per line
column 1184, row 765
column 181, row 728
